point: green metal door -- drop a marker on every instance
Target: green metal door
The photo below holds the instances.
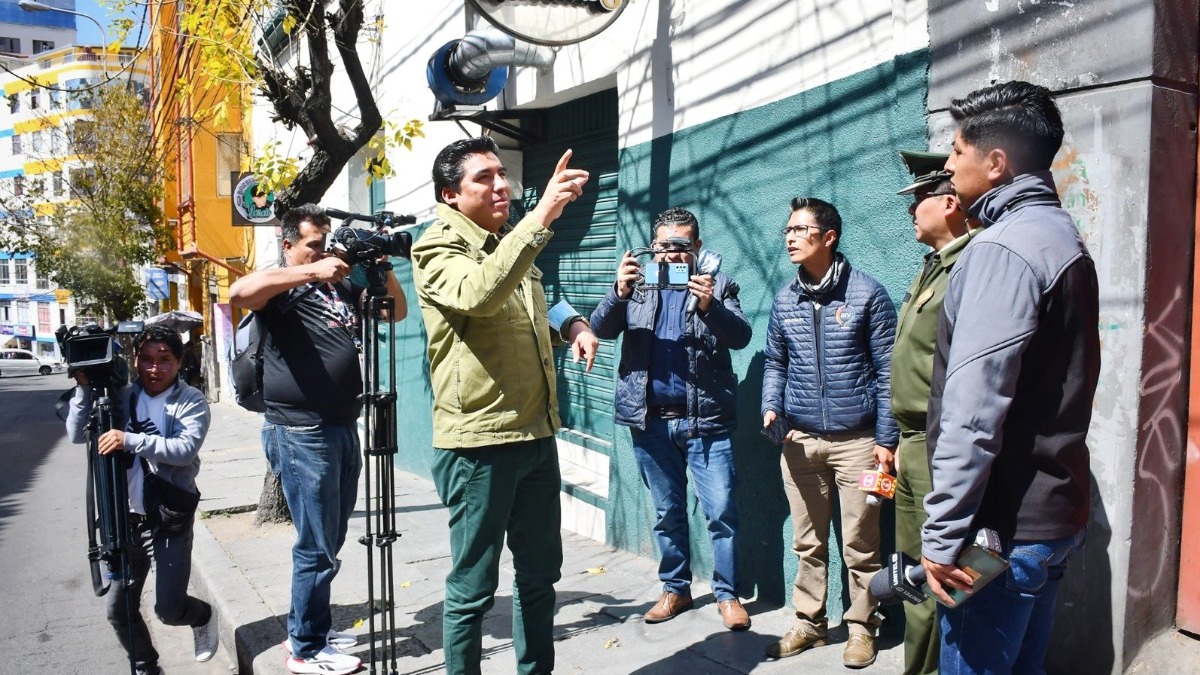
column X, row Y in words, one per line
column 580, row 262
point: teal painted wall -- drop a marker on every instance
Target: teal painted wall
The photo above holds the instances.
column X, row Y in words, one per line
column 738, row 174
column 414, row 405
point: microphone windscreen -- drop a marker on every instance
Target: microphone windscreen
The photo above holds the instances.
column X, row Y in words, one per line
column 882, row 590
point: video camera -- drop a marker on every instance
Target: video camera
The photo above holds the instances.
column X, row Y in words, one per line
column 660, row 274
column 356, row 245
column 96, row 352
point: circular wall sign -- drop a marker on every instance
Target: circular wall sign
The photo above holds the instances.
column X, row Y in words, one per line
column 550, row 22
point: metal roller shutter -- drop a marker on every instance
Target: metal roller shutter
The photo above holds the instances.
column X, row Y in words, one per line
column 580, row 262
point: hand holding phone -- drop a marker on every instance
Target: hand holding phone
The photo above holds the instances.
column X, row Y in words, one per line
column 777, row 431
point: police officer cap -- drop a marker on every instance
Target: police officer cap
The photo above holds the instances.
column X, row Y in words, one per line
column 927, row 167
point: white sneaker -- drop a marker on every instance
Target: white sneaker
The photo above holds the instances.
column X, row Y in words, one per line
column 333, row 638
column 206, row 638
column 341, row 640
column 328, row 661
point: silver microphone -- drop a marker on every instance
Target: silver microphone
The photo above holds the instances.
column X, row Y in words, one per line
column 708, row 263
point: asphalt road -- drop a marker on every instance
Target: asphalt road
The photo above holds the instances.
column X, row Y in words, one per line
column 50, row 621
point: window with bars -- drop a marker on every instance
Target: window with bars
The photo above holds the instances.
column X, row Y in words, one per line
column 21, row 269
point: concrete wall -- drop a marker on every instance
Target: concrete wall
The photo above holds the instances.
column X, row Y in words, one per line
column 1127, row 173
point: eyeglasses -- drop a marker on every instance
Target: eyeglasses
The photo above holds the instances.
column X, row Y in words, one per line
column 155, row 365
column 801, row 230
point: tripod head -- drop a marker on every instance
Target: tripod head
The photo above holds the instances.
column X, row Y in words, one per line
column 364, row 247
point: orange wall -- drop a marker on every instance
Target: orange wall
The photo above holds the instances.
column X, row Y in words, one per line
column 1187, row 612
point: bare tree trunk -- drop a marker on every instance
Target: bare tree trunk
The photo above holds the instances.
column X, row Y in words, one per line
column 272, row 507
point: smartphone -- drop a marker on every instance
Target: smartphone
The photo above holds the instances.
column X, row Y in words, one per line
column 778, row 430
column 663, row 274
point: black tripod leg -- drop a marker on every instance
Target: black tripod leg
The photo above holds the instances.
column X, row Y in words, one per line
column 112, row 489
column 380, row 449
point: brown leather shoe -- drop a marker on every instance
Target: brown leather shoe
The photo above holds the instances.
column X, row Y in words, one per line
column 860, row 651
column 798, row 638
column 733, row 614
column 669, row 606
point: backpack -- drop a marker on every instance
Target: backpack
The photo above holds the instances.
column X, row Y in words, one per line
column 246, row 366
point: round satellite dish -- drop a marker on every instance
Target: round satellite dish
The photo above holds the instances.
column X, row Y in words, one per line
column 552, row 23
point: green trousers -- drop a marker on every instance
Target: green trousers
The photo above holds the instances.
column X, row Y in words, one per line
column 493, row 492
column 921, row 639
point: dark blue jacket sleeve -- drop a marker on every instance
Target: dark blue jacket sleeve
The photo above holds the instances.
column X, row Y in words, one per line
column 609, row 318
column 775, row 367
column 725, row 319
column 882, row 325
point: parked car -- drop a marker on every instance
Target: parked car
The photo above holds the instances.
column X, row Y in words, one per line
column 25, row 362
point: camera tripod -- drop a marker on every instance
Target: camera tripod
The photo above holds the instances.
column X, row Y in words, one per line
column 107, row 509
column 379, row 448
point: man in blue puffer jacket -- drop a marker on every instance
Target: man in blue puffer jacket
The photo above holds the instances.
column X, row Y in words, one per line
column 829, row 350
column 677, row 395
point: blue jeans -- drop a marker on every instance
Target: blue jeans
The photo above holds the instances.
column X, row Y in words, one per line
column 318, row 467
column 664, row 452
column 1005, row 627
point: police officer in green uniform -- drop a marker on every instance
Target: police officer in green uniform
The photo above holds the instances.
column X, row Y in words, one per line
column 942, row 225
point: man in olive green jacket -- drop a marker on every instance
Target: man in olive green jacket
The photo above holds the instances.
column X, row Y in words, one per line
column 495, row 410
column 942, row 225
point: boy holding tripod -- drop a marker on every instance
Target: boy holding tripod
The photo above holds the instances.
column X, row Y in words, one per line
column 159, row 423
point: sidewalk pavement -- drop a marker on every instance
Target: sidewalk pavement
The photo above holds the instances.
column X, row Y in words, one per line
column 245, row 571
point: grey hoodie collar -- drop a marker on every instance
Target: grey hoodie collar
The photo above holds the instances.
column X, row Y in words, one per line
column 1028, row 188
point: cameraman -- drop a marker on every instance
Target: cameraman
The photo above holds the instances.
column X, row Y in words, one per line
column 311, row 385
column 677, row 395
column 160, row 422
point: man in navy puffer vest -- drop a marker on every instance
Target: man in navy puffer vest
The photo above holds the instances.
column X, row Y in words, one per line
column 829, row 350
column 676, row 394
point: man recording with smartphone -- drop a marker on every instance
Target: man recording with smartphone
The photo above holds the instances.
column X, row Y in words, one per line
column 159, row 424
column 676, row 393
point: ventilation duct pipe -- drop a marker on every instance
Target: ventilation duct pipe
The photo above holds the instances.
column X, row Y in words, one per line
column 473, row 70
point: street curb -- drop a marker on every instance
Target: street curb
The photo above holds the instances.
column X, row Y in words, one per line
column 249, row 642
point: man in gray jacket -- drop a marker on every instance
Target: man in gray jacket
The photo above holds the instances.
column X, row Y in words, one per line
column 677, row 395
column 159, row 423
column 1015, row 370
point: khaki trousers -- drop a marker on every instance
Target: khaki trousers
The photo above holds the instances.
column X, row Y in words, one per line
column 813, row 466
